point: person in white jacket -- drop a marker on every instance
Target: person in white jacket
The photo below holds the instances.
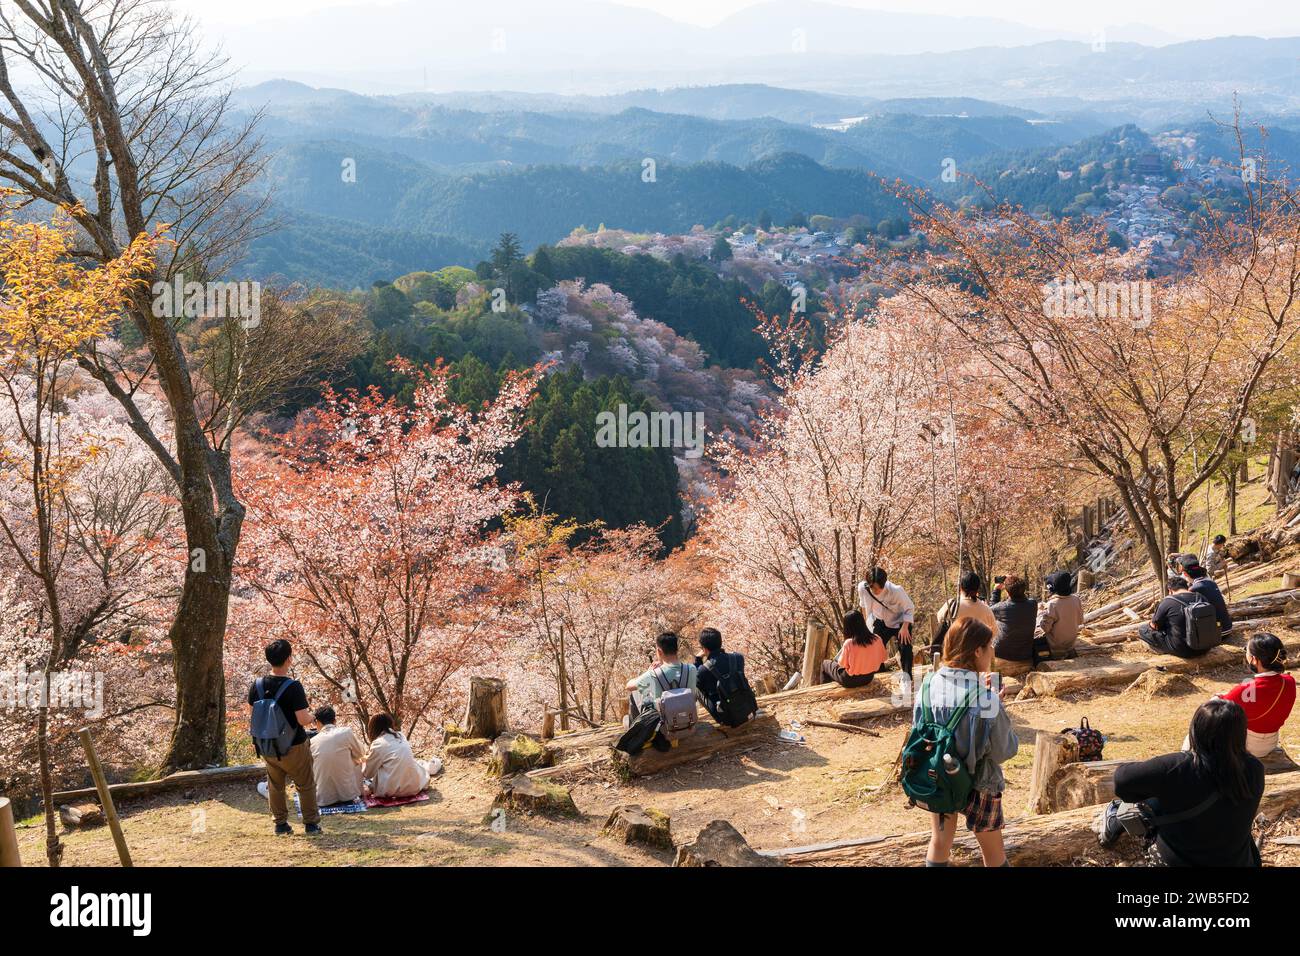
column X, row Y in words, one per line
column 890, row 614
column 337, row 754
column 391, row 768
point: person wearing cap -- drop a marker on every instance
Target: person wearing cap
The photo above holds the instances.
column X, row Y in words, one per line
column 1061, row 616
column 1199, row 582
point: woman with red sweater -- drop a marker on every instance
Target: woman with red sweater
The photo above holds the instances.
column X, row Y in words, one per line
column 1267, row 698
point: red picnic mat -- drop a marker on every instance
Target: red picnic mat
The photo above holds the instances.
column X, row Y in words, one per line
column 420, row 797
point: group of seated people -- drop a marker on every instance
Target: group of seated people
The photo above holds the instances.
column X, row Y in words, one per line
column 716, row 678
column 1025, row 630
column 1167, row 631
column 1202, row 800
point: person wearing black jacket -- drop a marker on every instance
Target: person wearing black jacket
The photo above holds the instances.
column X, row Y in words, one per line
column 1200, row 582
column 713, row 665
column 1216, row 785
column 1167, row 632
column 1013, row 642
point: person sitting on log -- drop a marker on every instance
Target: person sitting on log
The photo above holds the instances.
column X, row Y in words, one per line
column 337, row 755
column 861, row 655
column 1201, row 802
column 1201, row 583
column 889, row 613
column 1013, row 645
column 1268, row 696
column 1060, row 618
column 967, row 604
column 721, row 683
column 983, row 738
column 391, row 768
column 668, row 673
column 1167, row 631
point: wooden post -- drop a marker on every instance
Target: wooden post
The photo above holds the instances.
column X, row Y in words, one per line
column 485, row 711
column 105, row 796
column 564, row 686
column 1051, row 751
column 8, row 835
column 814, row 652
column 548, row 723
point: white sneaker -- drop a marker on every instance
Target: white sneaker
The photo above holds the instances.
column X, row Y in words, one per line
column 905, row 688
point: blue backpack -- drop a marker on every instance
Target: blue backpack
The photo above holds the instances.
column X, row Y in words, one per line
column 272, row 733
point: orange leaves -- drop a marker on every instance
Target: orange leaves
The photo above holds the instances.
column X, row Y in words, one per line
column 51, row 303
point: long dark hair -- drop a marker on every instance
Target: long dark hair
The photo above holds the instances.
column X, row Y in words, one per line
column 1218, row 743
column 379, row 725
column 855, row 629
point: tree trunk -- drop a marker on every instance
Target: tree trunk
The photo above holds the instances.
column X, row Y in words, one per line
column 814, row 653
column 1232, row 501
column 485, row 712
column 197, row 637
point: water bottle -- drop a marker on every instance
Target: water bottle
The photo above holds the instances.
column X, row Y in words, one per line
column 950, row 764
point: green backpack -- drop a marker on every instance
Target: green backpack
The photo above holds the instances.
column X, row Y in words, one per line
column 925, row 779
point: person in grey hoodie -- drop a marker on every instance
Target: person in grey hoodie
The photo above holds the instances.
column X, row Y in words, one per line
column 985, row 739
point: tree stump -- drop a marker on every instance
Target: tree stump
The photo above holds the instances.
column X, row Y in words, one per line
column 631, row 823
column 81, row 815
column 1051, row 751
column 485, row 712
column 519, row 753
column 1154, row 684
column 523, row 794
column 720, row 844
column 467, row 748
column 814, row 653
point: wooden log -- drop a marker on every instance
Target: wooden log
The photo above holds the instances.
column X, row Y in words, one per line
column 720, row 844
column 631, row 823
column 8, row 836
column 105, row 796
column 814, row 652
column 705, row 740
column 1089, row 675
column 81, row 815
column 836, row 725
column 467, row 748
column 1051, row 752
column 1089, row 783
column 1048, row 840
column 826, row 692
column 176, row 781
column 485, row 711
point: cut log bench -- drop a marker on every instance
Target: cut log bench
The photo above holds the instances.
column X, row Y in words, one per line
column 592, row 749
column 1052, row 839
column 1069, row 676
column 1061, row 781
column 175, row 781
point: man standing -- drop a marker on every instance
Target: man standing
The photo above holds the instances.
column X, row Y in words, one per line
column 295, row 762
column 890, row 614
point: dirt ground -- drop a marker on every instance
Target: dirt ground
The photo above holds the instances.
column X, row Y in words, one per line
column 777, row 794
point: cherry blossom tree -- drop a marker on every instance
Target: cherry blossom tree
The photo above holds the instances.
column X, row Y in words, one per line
column 372, row 544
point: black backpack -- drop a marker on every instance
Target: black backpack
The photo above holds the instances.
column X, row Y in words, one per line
column 736, row 702
column 1201, row 625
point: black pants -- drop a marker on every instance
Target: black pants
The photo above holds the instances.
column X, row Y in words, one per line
column 888, row 634
column 832, row 671
column 1159, row 641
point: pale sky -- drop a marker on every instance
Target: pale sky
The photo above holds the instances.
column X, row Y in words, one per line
column 1182, row 18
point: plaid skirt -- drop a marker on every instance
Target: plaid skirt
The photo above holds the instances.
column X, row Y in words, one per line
column 983, row 811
